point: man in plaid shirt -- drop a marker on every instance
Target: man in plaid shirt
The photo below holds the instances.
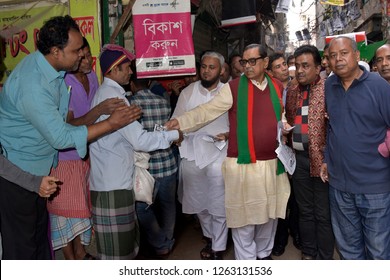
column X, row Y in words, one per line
column 158, row 219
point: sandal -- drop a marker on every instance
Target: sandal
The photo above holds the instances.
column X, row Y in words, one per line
column 89, row 257
column 216, row 255
column 206, row 252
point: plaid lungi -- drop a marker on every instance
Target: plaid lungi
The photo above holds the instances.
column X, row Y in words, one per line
column 64, row 230
column 115, row 224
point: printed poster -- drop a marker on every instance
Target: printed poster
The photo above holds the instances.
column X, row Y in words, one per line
column 335, row 2
column 85, row 13
column 357, row 36
column 163, row 38
column 20, row 24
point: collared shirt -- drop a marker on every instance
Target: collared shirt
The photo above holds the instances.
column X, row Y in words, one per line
column 315, row 118
column 261, row 85
column 34, row 104
column 222, row 102
column 112, row 156
column 156, row 110
column 358, row 120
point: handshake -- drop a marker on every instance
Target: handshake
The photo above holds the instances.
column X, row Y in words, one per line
column 171, row 125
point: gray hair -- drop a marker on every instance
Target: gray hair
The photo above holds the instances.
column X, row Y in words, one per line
column 214, row 55
column 260, row 48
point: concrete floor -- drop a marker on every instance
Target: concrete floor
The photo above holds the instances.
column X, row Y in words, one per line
column 189, row 242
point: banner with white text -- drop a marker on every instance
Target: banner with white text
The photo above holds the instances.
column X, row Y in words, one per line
column 163, row 38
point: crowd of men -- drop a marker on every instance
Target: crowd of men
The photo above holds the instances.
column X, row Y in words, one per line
column 334, row 113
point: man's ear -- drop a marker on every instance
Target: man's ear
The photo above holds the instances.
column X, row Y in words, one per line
column 132, row 85
column 222, row 71
column 318, row 69
column 114, row 70
column 266, row 61
column 54, row 51
column 357, row 55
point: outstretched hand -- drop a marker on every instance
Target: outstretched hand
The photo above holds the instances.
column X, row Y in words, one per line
column 287, row 128
column 172, row 124
column 180, row 139
column 108, row 106
column 222, row 136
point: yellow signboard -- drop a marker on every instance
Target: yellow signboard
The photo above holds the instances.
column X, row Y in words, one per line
column 20, row 26
column 85, row 12
column 335, row 2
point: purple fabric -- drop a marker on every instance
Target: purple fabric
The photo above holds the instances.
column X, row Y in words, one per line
column 80, row 104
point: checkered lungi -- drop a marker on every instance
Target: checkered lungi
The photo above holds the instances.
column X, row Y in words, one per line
column 115, row 224
column 64, row 230
column 72, row 199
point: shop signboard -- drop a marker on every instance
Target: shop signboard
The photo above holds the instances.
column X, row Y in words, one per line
column 163, row 38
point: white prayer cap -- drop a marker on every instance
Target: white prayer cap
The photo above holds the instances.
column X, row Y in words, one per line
column 365, row 65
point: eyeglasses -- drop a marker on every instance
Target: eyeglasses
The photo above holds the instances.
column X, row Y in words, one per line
column 251, row 61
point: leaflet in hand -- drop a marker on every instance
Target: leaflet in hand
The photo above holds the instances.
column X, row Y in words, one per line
column 217, row 143
column 285, row 154
column 159, row 127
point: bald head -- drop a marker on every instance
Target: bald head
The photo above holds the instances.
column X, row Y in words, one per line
column 383, row 61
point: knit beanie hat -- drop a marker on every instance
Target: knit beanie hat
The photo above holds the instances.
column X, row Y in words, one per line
column 113, row 55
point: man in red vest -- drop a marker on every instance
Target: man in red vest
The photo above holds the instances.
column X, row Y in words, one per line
column 256, row 185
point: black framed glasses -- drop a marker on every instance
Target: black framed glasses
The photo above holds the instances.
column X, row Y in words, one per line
column 251, row 61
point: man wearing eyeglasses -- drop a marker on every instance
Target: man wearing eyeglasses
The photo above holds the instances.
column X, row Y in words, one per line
column 256, row 186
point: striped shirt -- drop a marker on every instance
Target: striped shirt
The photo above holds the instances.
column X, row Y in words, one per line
column 155, row 110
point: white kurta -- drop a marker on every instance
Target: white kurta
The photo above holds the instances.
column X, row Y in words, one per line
column 254, row 193
column 201, row 185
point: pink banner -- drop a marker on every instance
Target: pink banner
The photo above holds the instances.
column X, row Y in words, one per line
column 163, row 39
